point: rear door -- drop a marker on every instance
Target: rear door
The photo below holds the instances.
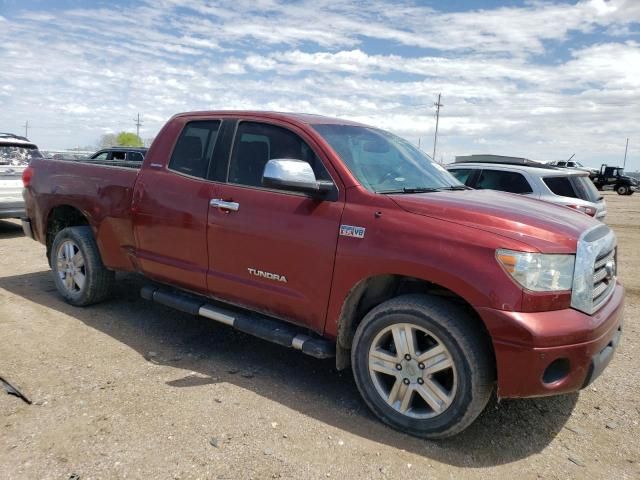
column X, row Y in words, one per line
column 274, row 251
column 170, row 209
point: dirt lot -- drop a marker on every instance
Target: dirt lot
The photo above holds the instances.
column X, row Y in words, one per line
column 127, row 389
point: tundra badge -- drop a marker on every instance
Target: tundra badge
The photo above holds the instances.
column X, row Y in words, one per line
column 267, row 275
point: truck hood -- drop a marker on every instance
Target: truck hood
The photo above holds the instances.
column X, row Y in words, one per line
column 543, row 226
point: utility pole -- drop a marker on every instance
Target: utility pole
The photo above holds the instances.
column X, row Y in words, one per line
column 138, row 124
column 435, row 138
column 26, row 129
column 626, row 147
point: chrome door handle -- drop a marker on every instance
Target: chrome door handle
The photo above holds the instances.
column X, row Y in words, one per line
column 219, row 203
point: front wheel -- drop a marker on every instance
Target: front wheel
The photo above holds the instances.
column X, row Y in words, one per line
column 623, row 190
column 79, row 274
column 423, row 365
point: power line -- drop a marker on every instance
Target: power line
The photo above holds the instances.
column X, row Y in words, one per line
column 435, row 138
column 138, row 125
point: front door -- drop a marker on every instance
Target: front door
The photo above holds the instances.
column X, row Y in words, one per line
column 272, row 251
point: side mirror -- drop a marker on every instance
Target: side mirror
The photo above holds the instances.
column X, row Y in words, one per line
column 290, row 174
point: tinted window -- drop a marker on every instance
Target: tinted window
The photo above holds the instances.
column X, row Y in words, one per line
column 462, row 174
column 585, row 188
column 512, row 182
column 118, row 155
column 574, row 187
column 135, row 157
column 193, row 151
column 560, row 186
column 257, row 143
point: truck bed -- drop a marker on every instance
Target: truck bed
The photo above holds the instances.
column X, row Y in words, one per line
column 102, row 190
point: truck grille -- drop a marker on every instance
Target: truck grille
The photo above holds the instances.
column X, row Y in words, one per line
column 594, row 275
column 604, row 279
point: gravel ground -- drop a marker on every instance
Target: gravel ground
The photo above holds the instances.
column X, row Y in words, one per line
column 128, row 389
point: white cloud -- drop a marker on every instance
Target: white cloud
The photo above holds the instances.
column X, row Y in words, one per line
column 509, row 81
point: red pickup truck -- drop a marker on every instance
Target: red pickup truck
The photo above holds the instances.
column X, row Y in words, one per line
column 343, row 240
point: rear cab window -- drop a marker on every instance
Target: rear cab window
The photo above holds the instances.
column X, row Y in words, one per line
column 505, row 181
column 194, row 148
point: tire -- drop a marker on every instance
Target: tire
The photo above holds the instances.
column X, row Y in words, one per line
column 463, row 389
column 623, row 190
column 79, row 274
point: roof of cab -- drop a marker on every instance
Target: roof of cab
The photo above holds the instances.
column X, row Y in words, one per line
column 304, row 118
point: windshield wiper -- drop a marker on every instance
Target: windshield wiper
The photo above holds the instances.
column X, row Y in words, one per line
column 410, row 190
column 456, row 187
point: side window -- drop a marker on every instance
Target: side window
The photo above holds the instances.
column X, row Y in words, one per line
column 560, row 186
column 504, row 181
column 257, row 143
column 462, row 174
column 134, row 157
column 118, row 155
column 101, row 156
column 192, row 153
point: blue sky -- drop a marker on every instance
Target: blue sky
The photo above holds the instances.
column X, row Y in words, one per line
column 537, row 79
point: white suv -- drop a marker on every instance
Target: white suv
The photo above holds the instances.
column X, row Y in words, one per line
column 562, row 186
column 15, row 154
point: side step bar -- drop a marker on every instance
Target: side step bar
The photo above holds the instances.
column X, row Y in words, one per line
column 263, row 327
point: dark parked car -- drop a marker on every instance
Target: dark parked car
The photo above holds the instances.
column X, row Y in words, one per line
column 129, row 154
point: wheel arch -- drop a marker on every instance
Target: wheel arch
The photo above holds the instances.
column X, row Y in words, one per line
column 374, row 290
column 61, row 217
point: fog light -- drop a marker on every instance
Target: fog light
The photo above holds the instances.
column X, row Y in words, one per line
column 556, row 371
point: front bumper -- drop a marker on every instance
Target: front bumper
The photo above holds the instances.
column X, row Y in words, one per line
column 548, row 353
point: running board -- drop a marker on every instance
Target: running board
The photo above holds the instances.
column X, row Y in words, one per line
column 263, row 327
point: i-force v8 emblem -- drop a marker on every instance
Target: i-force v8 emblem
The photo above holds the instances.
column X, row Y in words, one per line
column 351, row 231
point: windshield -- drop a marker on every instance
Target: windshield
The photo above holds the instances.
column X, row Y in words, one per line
column 385, row 163
column 17, row 156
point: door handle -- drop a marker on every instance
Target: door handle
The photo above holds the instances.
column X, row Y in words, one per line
column 224, row 205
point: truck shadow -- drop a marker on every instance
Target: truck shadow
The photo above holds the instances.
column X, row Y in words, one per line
column 10, row 229
column 507, row 431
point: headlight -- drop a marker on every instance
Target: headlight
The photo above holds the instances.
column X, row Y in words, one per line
column 538, row 271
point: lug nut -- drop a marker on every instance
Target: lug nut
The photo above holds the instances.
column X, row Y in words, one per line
column 398, row 366
column 420, row 381
column 421, row 366
column 407, row 356
column 406, row 381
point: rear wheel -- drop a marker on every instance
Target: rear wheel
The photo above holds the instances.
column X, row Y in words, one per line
column 423, row 365
column 623, row 190
column 79, row 274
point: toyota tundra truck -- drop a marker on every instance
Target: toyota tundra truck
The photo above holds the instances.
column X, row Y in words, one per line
column 343, row 241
